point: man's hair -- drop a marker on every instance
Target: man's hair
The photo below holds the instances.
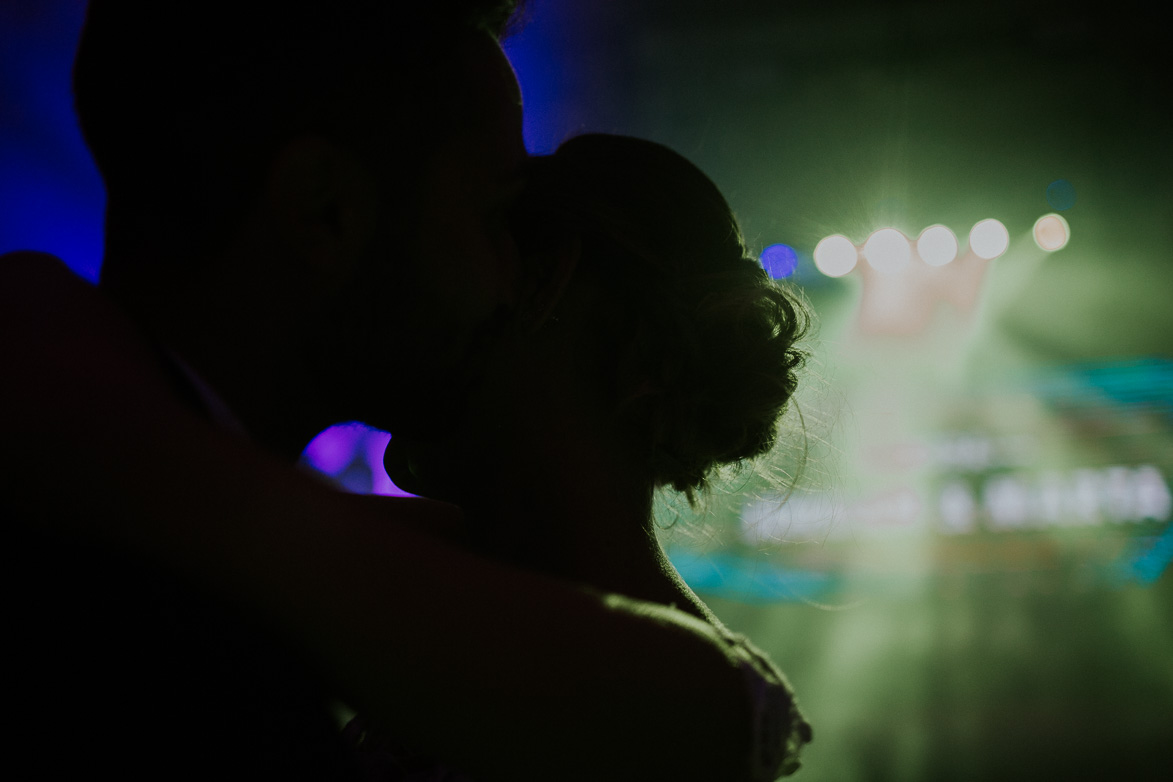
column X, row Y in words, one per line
column 183, row 104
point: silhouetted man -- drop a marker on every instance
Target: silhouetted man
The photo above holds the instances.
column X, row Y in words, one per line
column 293, row 194
column 275, row 173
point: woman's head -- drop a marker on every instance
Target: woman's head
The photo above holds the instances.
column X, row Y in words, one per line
column 697, row 344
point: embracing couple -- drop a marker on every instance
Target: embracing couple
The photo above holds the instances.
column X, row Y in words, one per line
column 321, row 213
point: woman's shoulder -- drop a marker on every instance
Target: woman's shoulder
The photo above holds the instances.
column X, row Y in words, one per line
column 780, row 729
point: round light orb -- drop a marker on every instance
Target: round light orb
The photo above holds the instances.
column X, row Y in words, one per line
column 887, row 250
column 779, row 261
column 937, row 245
column 989, row 239
column 1051, row 232
column 835, row 255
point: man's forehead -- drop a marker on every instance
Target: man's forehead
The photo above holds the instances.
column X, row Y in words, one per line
column 485, row 66
column 489, row 121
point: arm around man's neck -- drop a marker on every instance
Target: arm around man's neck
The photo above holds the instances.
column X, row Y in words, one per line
column 506, row 674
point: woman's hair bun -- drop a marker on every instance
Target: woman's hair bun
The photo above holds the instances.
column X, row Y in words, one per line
column 734, row 367
column 703, row 333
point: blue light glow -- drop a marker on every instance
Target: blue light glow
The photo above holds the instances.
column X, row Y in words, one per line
column 52, row 195
column 749, row 580
column 1140, row 384
column 537, row 53
column 1061, row 195
column 779, row 261
column 1147, row 566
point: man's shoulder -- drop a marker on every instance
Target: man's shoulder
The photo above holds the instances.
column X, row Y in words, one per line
column 38, row 289
column 51, row 318
column 138, row 671
column 34, row 268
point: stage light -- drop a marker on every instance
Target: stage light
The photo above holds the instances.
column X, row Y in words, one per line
column 835, row 255
column 887, row 250
column 1051, row 232
column 989, row 239
column 937, row 245
column 779, row 261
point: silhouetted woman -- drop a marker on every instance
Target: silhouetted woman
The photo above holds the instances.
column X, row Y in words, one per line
column 646, row 348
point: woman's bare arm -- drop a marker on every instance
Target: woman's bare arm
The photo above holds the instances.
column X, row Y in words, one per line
column 510, row 675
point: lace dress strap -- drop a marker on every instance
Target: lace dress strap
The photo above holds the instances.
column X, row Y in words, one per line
column 779, row 729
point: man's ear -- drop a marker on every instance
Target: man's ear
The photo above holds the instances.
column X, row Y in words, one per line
column 558, row 269
column 324, row 206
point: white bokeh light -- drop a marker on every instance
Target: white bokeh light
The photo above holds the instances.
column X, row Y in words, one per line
column 887, row 250
column 835, row 255
column 989, row 239
column 937, row 245
column 1051, row 232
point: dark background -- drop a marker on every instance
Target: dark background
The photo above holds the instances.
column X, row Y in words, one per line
column 969, row 580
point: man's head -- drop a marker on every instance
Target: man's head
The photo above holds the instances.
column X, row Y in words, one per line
column 330, row 157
